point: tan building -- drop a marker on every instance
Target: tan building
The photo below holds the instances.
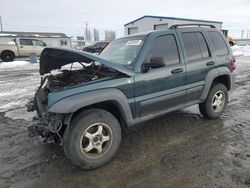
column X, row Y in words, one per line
column 148, row 23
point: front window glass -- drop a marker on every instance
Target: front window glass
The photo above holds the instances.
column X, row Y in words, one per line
column 26, row 42
column 164, row 48
column 123, row 51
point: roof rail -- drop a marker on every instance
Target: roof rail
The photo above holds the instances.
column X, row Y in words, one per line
column 180, row 25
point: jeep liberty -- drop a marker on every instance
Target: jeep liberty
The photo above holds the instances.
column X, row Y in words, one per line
column 87, row 104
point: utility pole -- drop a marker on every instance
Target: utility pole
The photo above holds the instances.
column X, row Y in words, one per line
column 86, row 27
column 1, row 23
column 86, row 31
column 242, row 34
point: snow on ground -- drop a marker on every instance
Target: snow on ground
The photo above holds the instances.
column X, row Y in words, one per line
column 241, row 50
column 15, row 64
column 18, row 81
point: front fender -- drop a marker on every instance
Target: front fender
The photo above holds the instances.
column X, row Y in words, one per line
column 73, row 103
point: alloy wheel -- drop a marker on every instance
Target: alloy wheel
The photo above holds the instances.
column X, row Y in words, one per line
column 96, row 140
column 218, row 101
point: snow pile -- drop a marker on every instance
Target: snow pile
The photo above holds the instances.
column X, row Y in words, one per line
column 14, row 64
column 241, row 50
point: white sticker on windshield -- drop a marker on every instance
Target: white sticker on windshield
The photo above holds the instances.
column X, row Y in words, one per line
column 133, row 43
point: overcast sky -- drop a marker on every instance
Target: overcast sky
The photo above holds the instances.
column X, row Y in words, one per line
column 69, row 16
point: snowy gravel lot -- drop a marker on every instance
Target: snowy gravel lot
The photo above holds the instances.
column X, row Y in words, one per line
column 181, row 149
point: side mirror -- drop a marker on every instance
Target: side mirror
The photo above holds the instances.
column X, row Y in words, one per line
column 44, row 44
column 154, row 63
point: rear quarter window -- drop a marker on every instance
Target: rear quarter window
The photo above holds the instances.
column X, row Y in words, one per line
column 218, row 43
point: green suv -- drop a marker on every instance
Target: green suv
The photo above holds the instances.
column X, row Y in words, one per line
column 87, row 104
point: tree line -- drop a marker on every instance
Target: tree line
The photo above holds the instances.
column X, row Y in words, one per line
column 93, row 35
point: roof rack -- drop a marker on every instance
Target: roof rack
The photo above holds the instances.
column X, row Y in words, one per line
column 181, row 25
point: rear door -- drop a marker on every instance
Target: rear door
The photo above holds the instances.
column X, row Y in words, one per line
column 199, row 61
column 38, row 46
column 160, row 89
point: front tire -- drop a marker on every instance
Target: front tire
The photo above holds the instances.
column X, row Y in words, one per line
column 216, row 102
column 7, row 56
column 92, row 139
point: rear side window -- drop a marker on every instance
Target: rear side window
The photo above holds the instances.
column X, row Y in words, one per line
column 218, row 43
column 203, row 45
column 195, row 46
column 165, row 47
column 37, row 43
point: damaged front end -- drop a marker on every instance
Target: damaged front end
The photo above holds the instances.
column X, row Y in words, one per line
column 47, row 125
column 51, row 129
column 51, row 126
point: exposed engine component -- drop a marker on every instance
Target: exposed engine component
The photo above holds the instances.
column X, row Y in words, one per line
column 76, row 77
column 68, row 78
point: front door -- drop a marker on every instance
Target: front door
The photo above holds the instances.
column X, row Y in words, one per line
column 26, row 47
column 162, row 86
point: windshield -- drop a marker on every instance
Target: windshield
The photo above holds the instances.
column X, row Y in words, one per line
column 123, row 51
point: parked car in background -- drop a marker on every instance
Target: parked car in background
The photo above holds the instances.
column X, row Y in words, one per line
column 134, row 79
column 95, row 47
column 231, row 41
column 20, row 47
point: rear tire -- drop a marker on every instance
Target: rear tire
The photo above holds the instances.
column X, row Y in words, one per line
column 7, row 56
column 231, row 43
column 92, row 139
column 216, row 102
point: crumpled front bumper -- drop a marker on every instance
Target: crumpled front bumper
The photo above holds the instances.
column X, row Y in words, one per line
column 38, row 129
column 49, row 129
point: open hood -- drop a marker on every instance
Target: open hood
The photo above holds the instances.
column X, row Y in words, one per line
column 55, row 58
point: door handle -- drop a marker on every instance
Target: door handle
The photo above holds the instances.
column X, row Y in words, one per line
column 210, row 63
column 176, row 71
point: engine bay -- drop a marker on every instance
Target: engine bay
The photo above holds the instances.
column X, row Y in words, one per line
column 67, row 78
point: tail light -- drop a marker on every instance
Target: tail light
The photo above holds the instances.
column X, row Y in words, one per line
column 233, row 63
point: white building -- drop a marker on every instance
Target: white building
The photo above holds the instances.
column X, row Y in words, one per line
column 77, row 43
column 148, row 23
column 50, row 39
